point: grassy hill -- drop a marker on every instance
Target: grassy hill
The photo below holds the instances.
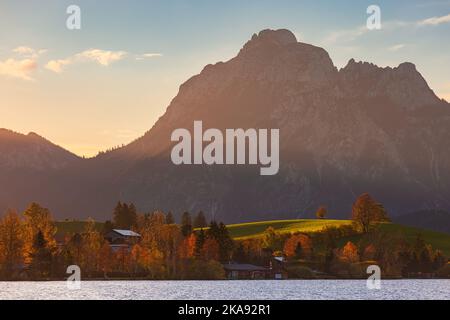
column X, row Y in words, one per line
column 244, row 231
column 256, row 229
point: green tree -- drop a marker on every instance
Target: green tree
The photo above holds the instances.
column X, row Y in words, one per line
column 125, row 216
column 169, row 218
column 199, row 242
column 107, row 227
column 219, row 233
column 41, row 257
column 186, row 224
column 298, row 250
column 132, row 216
column 200, row 220
column 119, row 216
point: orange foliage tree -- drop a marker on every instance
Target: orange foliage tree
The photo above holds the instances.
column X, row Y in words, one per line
column 350, row 252
column 298, row 240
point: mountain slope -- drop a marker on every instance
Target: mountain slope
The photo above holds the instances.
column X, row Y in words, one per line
column 342, row 133
column 30, row 168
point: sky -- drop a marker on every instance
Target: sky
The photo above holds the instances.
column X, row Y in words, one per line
column 107, row 83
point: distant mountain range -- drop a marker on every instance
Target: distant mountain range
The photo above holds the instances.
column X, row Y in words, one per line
column 342, row 132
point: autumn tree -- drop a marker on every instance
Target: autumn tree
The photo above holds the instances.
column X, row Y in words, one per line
column 38, row 220
column 369, row 252
column 350, row 252
column 92, row 242
column 187, row 247
column 105, row 259
column 366, row 211
column 200, row 220
column 11, row 243
column 272, row 240
column 298, row 245
column 210, row 250
column 321, row 212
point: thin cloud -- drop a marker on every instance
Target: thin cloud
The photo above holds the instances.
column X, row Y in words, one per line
column 349, row 35
column 149, row 56
column 102, row 57
column 29, row 52
column 23, row 64
column 397, row 47
column 57, row 66
column 345, row 35
column 21, row 69
column 434, row 21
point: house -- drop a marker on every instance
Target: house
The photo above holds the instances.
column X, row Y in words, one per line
column 235, row 271
column 277, row 268
column 118, row 237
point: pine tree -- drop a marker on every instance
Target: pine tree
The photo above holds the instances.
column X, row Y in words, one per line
column 298, row 250
column 119, row 216
column 199, row 242
column 186, row 224
column 169, row 218
column 200, row 220
column 220, row 234
column 41, row 257
column 132, row 216
column 107, row 227
column 125, row 216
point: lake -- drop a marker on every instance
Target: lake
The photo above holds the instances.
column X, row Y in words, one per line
column 229, row 290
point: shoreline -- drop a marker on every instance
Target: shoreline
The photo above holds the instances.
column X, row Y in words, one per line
column 222, row 280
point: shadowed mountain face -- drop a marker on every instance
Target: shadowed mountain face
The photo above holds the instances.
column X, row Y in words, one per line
column 342, row 133
column 30, row 167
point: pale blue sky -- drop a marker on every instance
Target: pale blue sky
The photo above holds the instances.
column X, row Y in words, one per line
column 88, row 107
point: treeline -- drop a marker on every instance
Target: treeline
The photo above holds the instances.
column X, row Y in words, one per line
column 166, row 250
column 330, row 254
column 196, row 249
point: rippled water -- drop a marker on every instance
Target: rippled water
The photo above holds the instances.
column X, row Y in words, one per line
column 229, row 290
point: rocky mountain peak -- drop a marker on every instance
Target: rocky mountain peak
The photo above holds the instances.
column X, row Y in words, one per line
column 403, row 85
column 279, row 37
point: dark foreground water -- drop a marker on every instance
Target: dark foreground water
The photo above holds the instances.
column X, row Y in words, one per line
column 229, row 290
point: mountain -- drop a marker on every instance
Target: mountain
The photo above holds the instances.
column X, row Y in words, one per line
column 342, row 132
column 29, row 165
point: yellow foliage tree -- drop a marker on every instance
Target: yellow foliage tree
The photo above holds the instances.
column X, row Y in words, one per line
column 11, row 242
column 37, row 219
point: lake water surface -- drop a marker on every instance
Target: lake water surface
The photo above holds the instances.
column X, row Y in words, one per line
column 229, row 290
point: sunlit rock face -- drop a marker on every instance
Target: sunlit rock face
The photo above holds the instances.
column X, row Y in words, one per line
column 342, row 132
